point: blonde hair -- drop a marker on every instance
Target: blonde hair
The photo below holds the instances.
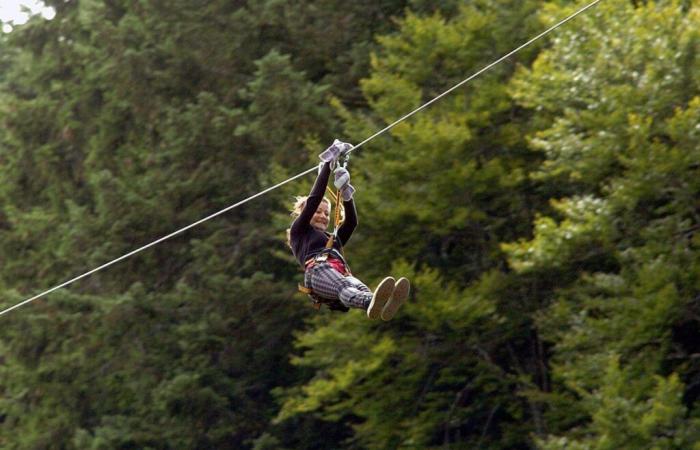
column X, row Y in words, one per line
column 298, row 207
column 300, row 202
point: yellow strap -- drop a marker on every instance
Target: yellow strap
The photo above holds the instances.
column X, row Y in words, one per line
column 316, row 302
column 337, row 209
column 304, row 289
column 337, row 222
column 336, row 196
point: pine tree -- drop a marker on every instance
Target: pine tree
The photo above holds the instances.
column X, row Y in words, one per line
column 123, row 121
column 436, row 195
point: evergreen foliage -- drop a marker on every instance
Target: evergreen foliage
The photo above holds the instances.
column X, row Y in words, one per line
column 546, row 214
column 123, row 121
column 623, row 143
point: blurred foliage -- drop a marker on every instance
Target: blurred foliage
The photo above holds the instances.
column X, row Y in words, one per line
column 546, row 214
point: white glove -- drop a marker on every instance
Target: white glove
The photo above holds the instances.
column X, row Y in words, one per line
column 347, row 192
column 341, row 181
column 341, row 177
column 337, row 149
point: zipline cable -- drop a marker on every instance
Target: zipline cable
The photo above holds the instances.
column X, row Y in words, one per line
column 158, row 241
column 498, row 61
column 261, row 193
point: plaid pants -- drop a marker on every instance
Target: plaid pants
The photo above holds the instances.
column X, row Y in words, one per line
column 327, row 282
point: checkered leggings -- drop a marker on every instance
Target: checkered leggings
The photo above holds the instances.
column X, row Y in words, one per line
column 327, row 282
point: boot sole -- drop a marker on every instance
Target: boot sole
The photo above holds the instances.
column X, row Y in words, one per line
column 380, row 297
column 401, row 290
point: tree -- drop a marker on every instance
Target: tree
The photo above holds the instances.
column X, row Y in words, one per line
column 437, row 194
column 123, row 121
column 617, row 99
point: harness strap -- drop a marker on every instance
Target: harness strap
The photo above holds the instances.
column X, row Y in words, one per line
column 308, row 291
column 317, row 301
column 337, row 222
column 323, row 256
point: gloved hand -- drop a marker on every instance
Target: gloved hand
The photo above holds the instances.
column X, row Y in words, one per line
column 341, row 177
column 337, row 149
column 341, row 181
column 347, row 192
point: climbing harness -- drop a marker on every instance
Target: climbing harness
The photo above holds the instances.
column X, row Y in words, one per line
column 316, row 300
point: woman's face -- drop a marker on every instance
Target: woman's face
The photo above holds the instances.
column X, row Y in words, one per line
column 321, row 217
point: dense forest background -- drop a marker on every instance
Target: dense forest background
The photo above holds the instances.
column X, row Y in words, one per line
column 547, row 214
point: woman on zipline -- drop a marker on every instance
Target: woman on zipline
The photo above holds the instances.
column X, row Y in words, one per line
column 327, row 277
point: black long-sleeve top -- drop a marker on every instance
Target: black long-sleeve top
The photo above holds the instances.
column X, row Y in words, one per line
column 306, row 240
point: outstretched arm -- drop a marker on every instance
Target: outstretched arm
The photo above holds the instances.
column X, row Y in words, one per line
column 316, row 195
column 350, row 223
column 314, row 199
column 342, row 182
